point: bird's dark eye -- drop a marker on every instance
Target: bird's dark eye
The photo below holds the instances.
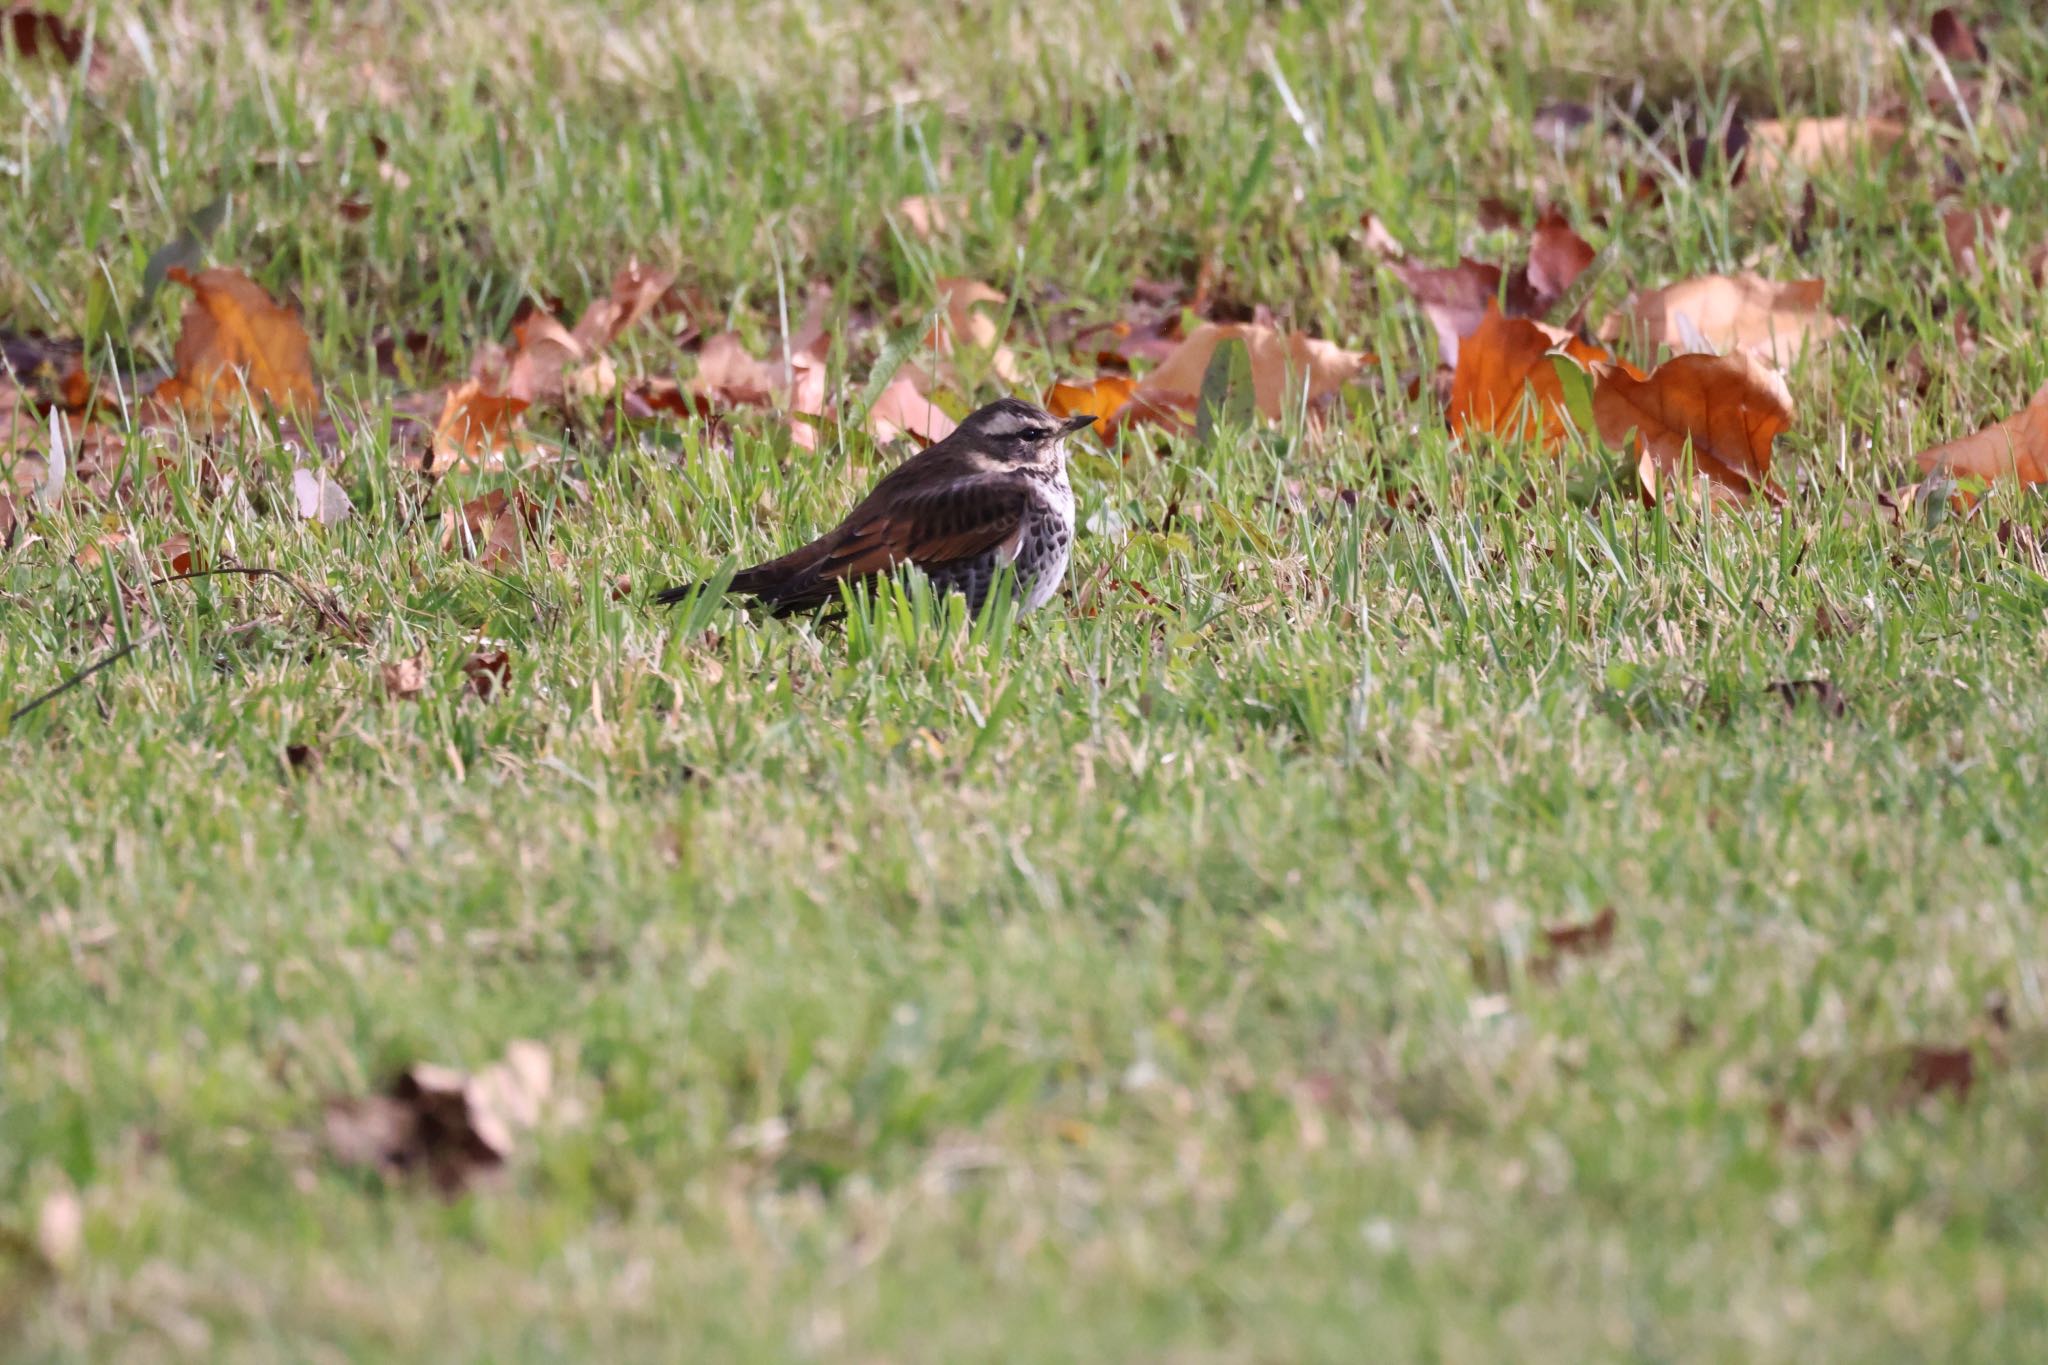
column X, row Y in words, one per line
column 1038, row 434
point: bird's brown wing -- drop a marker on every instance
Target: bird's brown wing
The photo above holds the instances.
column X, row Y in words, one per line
column 936, row 528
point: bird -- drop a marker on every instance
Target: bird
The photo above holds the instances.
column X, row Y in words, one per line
column 992, row 494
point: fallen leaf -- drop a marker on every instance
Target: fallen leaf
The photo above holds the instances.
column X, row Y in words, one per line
column 488, row 672
column 237, row 343
column 928, row 216
column 450, row 1127
column 303, row 759
column 636, row 292
column 969, row 323
column 1816, row 143
column 96, row 549
column 37, row 33
column 1820, row 692
column 1502, row 361
column 353, row 209
column 1772, row 321
column 1103, row 399
column 60, row 1228
column 1966, row 229
column 477, row 429
column 1953, row 37
column 1286, row 366
column 1931, row 1071
column 1557, row 257
column 1378, row 240
column 492, row 527
column 1720, row 412
column 176, row 553
column 1455, row 299
column 405, row 678
column 1583, row 939
column 319, row 497
column 2015, row 449
column 900, row 409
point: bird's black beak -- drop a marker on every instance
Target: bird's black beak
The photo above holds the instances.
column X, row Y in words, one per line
column 1076, row 422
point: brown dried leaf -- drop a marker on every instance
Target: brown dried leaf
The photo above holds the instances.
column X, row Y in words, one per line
column 237, row 343
column 2016, row 449
column 477, row 429
column 176, row 554
column 492, row 527
column 1816, row 143
column 1772, row 321
column 320, row 498
column 1285, row 365
column 405, row 678
column 1953, row 37
column 1502, row 361
column 1720, row 412
column 1557, row 257
column 1585, row 938
column 1109, row 395
column 1966, row 229
column 1456, row 298
column 440, row 1123
column 901, row 409
column 489, row 672
column 971, row 323
column 928, row 216
column 37, row 33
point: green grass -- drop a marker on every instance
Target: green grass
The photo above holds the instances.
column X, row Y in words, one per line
column 1160, row 977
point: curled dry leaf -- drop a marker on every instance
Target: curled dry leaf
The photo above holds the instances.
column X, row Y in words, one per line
column 1953, row 37
column 1816, row 143
column 1966, row 230
column 1456, row 298
column 1746, row 312
column 93, row 551
column 1721, row 413
column 176, row 555
column 970, row 323
column 900, row 409
column 1286, row 366
column 488, row 671
column 1585, row 938
column 2015, row 449
column 319, row 497
column 237, row 344
column 477, row 429
column 1557, row 257
column 928, row 216
column 1103, row 399
column 405, row 679
column 38, row 33
column 492, row 527
column 1378, row 240
column 1502, row 361
column 436, row 1122
column 729, row 376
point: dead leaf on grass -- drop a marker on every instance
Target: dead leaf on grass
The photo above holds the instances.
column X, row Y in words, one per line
column 901, row 409
column 1953, row 37
column 1721, row 413
column 1505, row 359
column 1286, row 368
column 492, row 527
column 405, row 679
column 1557, row 257
column 236, row 344
column 1966, row 230
column 319, row 497
column 1456, row 298
column 1103, row 399
column 478, row 429
column 971, row 324
column 447, row 1126
column 1771, row 320
column 2014, row 449
column 488, row 671
column 1814, row 144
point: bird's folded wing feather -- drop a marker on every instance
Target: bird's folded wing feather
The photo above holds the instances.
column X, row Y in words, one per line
column 947, row 524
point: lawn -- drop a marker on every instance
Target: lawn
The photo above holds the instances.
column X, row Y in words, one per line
column 1216, row 965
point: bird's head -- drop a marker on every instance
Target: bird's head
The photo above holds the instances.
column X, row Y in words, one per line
column 1016, row 432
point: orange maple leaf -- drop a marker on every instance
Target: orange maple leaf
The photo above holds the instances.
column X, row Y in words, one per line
column 1721, row 411
column 237, row 344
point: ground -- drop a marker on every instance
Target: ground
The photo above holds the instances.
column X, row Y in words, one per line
column 1165, row 976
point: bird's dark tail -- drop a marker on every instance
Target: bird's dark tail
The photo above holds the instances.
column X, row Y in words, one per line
column 668, row 597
